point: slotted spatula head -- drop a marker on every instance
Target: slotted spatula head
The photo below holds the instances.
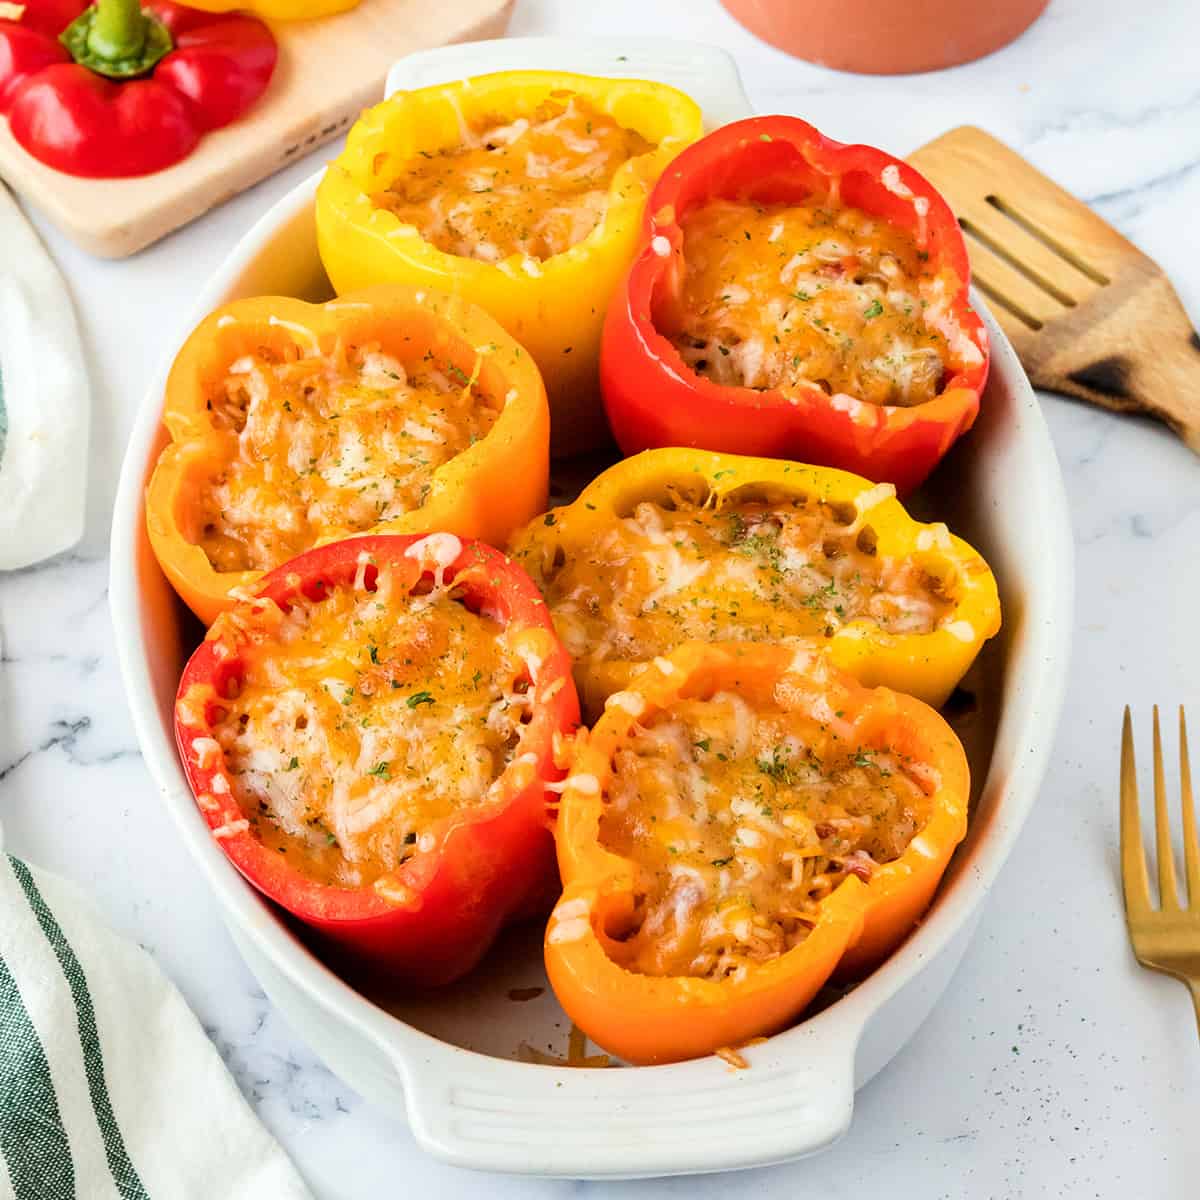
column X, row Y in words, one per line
column 1087, row 312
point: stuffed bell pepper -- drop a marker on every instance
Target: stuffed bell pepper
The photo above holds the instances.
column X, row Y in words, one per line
column 114, row 89
column 280, row 10
column 522, row 191
column 798, row 298
column 369, row 737
column 674, row 545
column 741, row 820
column 292, row 424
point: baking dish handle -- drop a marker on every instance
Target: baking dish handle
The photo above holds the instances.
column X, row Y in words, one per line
column 795, row 1099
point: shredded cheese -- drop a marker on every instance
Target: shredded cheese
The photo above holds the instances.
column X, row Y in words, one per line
column 365, row 721
column 781, row 297
column 317, row 446
column 231, row 829
column 532, row 187
column 742, row 570
column 740, row 820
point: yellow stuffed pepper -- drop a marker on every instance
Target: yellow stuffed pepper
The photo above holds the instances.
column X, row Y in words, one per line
column 278, row 10
column 293, row 425
column 677, row 545
column 522, row 191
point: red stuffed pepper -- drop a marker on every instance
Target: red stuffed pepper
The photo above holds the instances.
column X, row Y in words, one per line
column 112, row 89
column 369, row 737
column 796, row 298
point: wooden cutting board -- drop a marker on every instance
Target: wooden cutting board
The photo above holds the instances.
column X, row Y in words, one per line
column 329, row 70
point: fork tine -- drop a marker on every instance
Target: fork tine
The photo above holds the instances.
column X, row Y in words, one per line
column 1191, row 844
column 1133, row 856
column 1168, row 889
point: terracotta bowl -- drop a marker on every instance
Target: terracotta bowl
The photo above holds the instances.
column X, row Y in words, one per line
column 883, row 37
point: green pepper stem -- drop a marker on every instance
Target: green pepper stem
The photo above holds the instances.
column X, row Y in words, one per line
column 116, row 39
column 119, row 29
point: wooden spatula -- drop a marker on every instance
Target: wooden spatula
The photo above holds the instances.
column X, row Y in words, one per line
column 1087, row 312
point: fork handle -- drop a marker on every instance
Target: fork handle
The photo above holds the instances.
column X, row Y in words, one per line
column 1194, row 988
column 1140, row 355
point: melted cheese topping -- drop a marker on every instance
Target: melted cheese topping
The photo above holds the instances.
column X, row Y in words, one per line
column 740, row 822
column 315, row 447
column 815, row 294
column 535, row 187
column 747, row 570
column 365, row 719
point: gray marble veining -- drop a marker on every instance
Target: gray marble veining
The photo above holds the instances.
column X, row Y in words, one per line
column 1053, row 1066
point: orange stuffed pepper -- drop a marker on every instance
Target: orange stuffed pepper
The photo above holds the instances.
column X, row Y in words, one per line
column 743, row 819
column 293, row 425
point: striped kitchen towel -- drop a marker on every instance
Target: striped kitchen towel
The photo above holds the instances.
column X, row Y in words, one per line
column 108, row 1086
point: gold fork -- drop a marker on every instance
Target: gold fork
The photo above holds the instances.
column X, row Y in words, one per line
column 1166, row 938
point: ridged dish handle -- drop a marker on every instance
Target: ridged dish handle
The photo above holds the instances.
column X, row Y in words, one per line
column 796, row 1098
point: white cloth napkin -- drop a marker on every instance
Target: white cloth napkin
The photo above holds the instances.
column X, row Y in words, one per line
column 108, row 1086
column 44, row 401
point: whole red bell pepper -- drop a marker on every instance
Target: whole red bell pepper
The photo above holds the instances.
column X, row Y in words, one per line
column 430, row 919
column 113, row 89
column 653, row 398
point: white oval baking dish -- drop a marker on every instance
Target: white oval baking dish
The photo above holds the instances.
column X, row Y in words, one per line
column 475, row 1107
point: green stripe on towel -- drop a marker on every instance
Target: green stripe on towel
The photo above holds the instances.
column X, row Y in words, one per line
column 128, row 1184
column 32, row 1138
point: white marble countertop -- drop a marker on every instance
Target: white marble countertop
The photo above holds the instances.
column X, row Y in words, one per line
column 1053, row 1065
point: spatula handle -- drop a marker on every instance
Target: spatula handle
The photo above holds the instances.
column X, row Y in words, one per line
column 1088, row 313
